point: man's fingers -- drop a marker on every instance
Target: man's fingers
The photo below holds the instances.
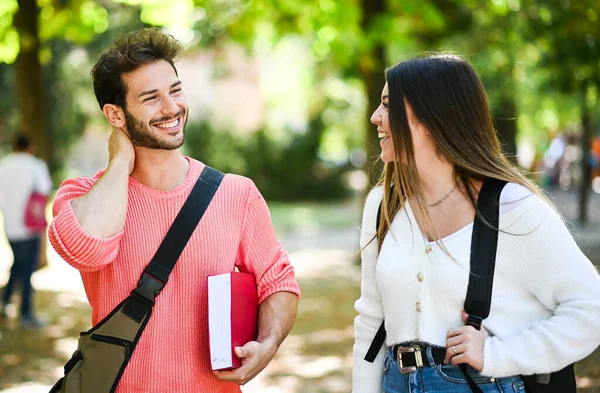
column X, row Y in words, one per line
column 239, row 352
column 238, row 376
column 247, row 350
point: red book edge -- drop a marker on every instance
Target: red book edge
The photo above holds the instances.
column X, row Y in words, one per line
column 244, row 314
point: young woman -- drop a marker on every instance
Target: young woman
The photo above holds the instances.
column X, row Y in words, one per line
column 439, row 145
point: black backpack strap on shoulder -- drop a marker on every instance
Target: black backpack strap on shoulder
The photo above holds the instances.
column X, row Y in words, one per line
column 156, row 274
column 484, row 244
column 379, row 338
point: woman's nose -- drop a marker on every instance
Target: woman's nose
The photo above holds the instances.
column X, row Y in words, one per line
column 375, row 117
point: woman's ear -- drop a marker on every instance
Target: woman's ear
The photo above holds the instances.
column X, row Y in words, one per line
column 115, row 115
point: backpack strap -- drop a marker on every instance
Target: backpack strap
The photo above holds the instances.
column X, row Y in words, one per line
column 379, row 338
column 484, row 244
column 156, row 274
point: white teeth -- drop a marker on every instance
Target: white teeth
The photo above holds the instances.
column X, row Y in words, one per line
column 382, row 135
column 168, row 125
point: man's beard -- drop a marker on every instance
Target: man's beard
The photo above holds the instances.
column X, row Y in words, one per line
column 142, row 135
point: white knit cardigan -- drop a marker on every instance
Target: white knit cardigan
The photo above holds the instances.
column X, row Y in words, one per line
column 545, row 311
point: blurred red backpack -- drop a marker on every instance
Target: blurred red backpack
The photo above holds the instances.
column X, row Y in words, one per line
column 35, row 212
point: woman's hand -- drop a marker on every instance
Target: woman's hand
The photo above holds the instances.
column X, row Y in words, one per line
column 465, row 345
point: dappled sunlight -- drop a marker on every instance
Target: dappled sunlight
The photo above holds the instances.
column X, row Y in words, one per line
column 32, row 360
column 39, row 355
column 28, row 387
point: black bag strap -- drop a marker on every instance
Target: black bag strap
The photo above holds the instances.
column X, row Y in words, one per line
column 156, row 274
column 484, row 244
column 379, row 338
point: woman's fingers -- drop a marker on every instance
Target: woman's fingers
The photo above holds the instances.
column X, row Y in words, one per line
column 453, row 351
column 459, row 359
column 454, row 341
column 455, row 332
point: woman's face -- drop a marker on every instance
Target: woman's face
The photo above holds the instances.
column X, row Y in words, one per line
column 423, row 143
column 381, row 119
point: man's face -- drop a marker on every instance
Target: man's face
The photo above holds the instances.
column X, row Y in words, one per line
column 156, row 110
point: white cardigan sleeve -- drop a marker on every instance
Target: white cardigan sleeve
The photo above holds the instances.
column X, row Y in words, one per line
column 368, row 377
column 546, row 261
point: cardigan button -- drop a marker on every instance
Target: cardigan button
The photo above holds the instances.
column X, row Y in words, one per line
column 420, row 277
column 428, row 249
column 419, row 307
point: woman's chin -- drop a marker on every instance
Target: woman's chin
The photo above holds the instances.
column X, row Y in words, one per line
column 387, row 157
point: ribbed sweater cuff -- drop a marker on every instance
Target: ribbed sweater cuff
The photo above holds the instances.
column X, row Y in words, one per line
column 286, row 283
column 82, row 248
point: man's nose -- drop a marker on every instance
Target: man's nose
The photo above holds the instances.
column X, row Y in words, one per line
column 170, row 107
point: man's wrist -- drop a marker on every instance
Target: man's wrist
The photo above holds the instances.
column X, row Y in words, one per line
column 271, row 343
column 119, row 162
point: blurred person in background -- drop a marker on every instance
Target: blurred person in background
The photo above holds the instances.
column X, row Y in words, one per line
column 439, row 146
column 110, row 225
column 21, row 176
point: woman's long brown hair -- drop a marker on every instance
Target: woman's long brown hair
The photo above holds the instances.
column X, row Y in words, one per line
column 447, row 97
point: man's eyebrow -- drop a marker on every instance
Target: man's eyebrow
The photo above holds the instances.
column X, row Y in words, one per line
column 146, row 92
column 384, row 98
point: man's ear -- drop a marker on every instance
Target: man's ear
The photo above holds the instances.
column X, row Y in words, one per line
column 115, row 115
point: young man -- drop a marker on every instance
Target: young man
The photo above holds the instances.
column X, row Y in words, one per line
column 109, row 227
column 21, row 173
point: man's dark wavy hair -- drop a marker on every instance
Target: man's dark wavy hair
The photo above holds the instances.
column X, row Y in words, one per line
column 126, row 54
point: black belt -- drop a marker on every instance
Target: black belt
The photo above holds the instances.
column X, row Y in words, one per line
column 411, row 356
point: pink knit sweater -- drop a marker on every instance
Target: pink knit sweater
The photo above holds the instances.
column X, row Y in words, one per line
column 236, row 231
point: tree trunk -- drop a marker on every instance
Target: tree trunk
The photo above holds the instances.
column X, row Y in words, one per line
column 29, row 86
column 586, row 169
column 371, row 67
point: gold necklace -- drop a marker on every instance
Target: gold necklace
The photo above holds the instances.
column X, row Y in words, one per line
column 440, row 201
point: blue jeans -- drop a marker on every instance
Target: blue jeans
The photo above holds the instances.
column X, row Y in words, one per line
column 25, row 261
column 442, row 378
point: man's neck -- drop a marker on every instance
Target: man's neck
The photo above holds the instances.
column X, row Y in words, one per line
column 160, row 169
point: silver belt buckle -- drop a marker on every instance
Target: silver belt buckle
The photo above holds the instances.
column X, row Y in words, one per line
column 418, row 358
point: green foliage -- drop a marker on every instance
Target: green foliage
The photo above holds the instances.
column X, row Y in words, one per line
column 290, row 171
column 535, row 58
column 567, row 32
column 9, row 38
column 76, row 21
column 67, row 119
